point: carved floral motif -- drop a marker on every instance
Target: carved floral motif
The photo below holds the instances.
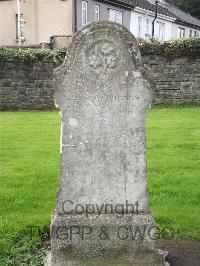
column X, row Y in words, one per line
column 103, row 57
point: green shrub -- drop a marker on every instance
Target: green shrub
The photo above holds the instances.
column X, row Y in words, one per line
column 175, row 48
column 59, row 55
column 24, row 55
column 31, row 55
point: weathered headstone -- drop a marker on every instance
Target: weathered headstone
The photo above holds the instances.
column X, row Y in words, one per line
column 102, row 207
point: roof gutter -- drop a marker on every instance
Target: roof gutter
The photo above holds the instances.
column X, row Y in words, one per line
column 187, row 24
column 117, row 3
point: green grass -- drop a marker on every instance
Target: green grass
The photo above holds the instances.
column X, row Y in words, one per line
column 173, row 140
column 30, row 171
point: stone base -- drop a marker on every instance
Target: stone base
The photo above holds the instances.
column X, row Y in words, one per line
column 142, row 261
column 105, row 239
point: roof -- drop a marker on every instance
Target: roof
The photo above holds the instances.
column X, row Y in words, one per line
column 164, row 8
column 144, row 4
column 147, row 5
column 126, row 3
column 180, row 15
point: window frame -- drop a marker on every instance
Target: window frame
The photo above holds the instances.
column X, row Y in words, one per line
column 96, row 12
column 140, row 24
column 21, row 25
column 116, row 13
column 147, row 27
column 161, row 30
column 84, row 15
column 181, row 32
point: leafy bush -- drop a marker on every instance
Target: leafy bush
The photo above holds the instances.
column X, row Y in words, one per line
column 59, row 55
column 175, row 48
column 31, row 55
column 24, row 55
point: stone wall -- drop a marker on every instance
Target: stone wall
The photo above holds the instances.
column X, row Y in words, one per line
column 26, row 86
column 29, row 86
column 174, row 81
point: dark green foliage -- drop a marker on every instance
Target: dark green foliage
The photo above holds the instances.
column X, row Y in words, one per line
column 31, row 55
column 189, row 6
column 59, row 55
column 24, row 55
column 175, row 48
column 29, row 247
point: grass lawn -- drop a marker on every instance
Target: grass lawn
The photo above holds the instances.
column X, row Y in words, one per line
column 30, row 171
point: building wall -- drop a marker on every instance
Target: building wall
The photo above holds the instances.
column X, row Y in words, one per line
column 135, row 14
column 43, row 18
column 7, row 22
column 104, row 12
column 175, row 34
column 171, row 27
column 56, row 18
column 29, row 86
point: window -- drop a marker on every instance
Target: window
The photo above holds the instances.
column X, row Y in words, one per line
column 181, row 32
column 96, row 12
column 21, row 26
column 84, row 13
column 195, row 33
column 116, row 16
column 147, row 33
column 190, row 33
column 161, row 31
column 139, row 34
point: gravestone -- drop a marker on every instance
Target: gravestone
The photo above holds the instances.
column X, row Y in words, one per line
column 102, row 203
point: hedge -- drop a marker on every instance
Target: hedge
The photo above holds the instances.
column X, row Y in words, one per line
column 175, row 48
column 31, row 55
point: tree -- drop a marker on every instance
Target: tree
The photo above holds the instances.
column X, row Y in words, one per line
column 189, row 6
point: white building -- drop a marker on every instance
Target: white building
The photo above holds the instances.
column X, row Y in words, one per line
column 185, row 25
column 171, row 22
column 141, row 24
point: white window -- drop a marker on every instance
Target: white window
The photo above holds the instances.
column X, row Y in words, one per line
column 147, row 29
column 161, row 31
column 112, row 14
column 119, row 17
column 181, row 32
column 84, row 13
column 116, row 16
column 96, row 12
column 139, row 34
